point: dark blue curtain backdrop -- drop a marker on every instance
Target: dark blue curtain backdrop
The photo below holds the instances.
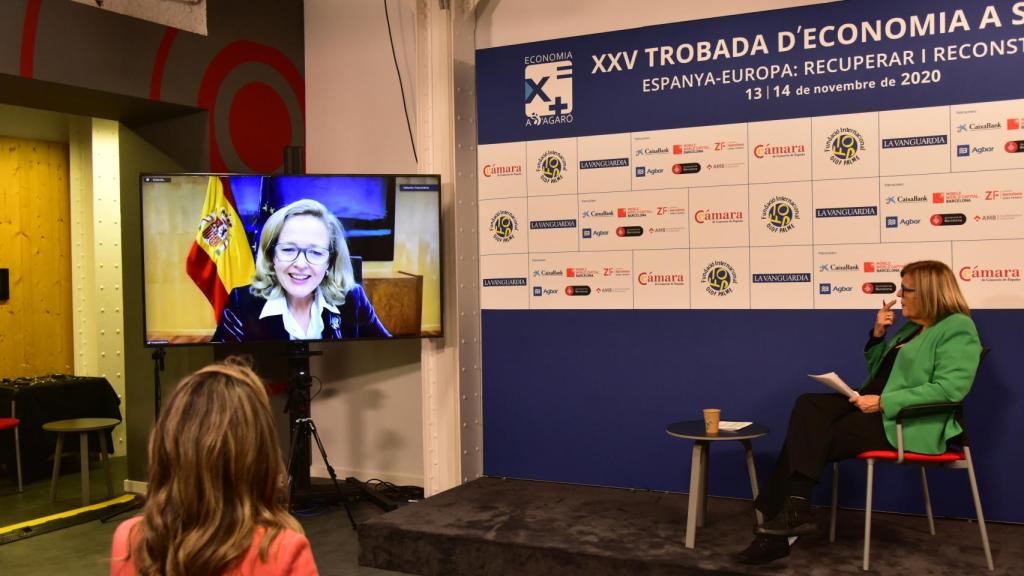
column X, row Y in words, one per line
column 584, row 397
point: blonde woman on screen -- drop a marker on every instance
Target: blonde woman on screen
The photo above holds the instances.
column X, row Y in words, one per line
column 304, row 288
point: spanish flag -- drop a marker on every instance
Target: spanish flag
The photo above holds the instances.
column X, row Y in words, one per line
column 220, row 259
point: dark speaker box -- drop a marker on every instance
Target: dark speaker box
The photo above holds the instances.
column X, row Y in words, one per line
column 5, row 284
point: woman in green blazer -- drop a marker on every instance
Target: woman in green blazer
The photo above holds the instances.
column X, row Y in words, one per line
column 931, row 358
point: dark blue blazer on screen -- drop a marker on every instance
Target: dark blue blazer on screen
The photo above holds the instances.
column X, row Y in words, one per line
column 240, row 321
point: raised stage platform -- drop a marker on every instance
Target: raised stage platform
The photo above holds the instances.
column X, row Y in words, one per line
column 493, row 526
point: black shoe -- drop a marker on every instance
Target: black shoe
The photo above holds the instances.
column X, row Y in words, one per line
column 764, row 549
column 796, row 519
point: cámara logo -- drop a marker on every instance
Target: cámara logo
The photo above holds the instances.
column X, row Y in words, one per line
column 659, row 279
column 502, row 170
column 780, row 213
column 551, row 167
column 725, row 217
column 718, row 278
column 762, row 151
column 971, row 273
column 548, row 83
column 844, row 146
column 503, row 226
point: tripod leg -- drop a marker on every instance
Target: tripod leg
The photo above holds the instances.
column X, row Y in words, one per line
column 330, row 470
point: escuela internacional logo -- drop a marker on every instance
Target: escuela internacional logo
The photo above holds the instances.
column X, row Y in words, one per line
column 548, row 89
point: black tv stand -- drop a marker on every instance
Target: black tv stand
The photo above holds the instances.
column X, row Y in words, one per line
column 302, row 430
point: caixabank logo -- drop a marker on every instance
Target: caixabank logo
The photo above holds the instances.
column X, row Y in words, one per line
column 718, row 278
column 780, row 214
column 548, row 89
column 844, row 146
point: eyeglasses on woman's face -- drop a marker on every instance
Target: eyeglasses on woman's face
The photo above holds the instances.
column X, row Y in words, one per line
column 315, row 255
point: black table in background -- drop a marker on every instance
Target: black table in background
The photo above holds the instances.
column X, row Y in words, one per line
column 45, row 399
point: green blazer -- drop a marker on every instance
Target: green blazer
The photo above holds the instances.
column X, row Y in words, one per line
column 936, row 366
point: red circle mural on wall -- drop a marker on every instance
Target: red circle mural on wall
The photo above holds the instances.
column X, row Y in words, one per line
column 260, row 127
column 251, row 102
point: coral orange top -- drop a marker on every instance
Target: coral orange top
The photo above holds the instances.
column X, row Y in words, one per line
column 289, row 555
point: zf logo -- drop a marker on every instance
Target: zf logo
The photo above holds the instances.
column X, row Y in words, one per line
column 548, row 97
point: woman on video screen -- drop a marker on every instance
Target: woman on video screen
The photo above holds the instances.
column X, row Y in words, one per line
column 304, row 288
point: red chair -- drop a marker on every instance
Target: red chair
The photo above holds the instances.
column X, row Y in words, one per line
column 12, row 423
column 952, row 458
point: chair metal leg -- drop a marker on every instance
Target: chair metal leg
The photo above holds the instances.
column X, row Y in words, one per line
column 927, row 501
column 977, row 508
column 17, row 458
column 835, row 502
column 867, row 514
column 752, row 472
column 56, row 466
column 83, row 445
column 106, row 462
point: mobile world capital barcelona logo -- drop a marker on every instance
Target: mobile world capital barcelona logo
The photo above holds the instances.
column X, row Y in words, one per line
column 548, row 89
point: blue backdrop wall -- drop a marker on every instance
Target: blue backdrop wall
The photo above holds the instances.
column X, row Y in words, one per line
column 585, row 397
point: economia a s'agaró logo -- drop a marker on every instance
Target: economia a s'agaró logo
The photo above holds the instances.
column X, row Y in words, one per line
column 548, row 89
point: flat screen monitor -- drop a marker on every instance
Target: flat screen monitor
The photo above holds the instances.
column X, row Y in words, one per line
column 231, row 258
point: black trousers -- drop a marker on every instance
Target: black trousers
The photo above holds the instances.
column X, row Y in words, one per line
column 823, row 428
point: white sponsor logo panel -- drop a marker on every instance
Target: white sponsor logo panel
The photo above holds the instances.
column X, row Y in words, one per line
column 846, row 211
column 581, row 281
column 641, row 220
column 501, row 170
column 661, row 279
column 781, row 214
column 987, row 136
column 991, row 273
column 780, row 150
column 605, row 163
column 503, row 226
column 782, row 277
column 737, row 216
column 553, row 224
column 721, row 278
column 720, row 217
column 551, row 167
column 505, row 282
column 701, row 156
column 863, row 275
column 914, row 141
column 958, row 206
column 845, row 146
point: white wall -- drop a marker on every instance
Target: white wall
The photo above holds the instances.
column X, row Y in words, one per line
column 504, row 22
column 369, row 414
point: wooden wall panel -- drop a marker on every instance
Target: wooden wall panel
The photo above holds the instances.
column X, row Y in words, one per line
column 35, row 244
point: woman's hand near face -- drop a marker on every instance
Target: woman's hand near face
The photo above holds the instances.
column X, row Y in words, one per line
column 884, row 319
column 868, row 403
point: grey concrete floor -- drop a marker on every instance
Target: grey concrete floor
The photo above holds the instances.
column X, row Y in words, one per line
column 85, row 549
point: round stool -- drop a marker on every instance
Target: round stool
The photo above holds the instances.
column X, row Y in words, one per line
column 81, row 426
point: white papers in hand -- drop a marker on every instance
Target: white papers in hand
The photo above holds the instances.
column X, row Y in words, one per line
column 733, row 426
column 833, row 381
